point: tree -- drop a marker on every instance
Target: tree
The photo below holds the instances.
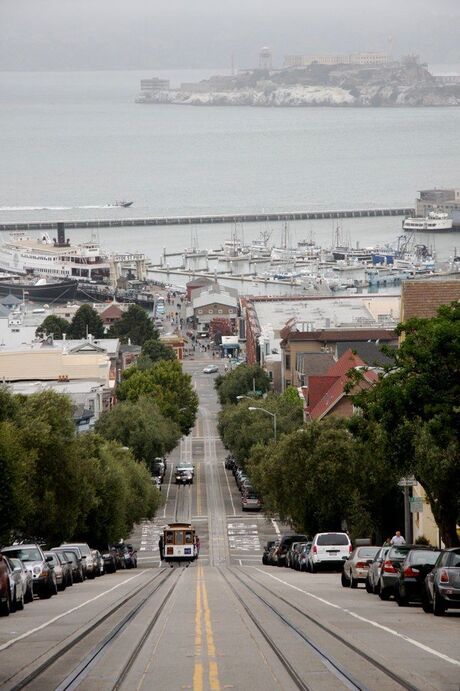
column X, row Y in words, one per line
column 170, row 388
column 86, row 321
column 134, row 325
column 241, row 381
column 416, row 405
column 140, row 426
column 53, row 325
column 155, row 350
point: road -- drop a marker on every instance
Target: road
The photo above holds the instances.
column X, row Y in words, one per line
column 226, row 622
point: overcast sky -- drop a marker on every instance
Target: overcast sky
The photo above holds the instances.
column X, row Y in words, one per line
column 155, row 34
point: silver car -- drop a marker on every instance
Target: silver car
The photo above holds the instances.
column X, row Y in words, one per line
column 373, row 574
column 89, row 565
column 356, row 566
column 44, row 579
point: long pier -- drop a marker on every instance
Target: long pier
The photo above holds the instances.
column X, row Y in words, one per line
column 209, row 219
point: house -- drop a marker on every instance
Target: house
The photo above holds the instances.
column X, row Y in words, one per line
column 210, row 302
column 327, row 395
column 112, row 314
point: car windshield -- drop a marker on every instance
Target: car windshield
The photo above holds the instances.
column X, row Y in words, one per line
column 367, row 552
column 399, row 552
column 30, row 554
column 332, row 539
column 424, row 557
column 74, row 556
column 84, row 549
column 454, row 559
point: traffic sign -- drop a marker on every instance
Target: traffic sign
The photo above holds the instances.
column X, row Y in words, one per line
column 409, row 481
column 416, row 504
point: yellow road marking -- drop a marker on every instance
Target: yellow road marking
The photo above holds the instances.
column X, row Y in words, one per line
column 214, row 683
column 198, row 671
column 198, row 491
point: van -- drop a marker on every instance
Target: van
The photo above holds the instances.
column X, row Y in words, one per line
column 330, row 549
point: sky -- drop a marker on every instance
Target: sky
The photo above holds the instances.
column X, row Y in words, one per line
column 179, row 34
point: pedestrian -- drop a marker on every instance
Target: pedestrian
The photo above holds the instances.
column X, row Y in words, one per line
column 397, row 539
column 387, row 542
column 160, row 547
column 197, row 546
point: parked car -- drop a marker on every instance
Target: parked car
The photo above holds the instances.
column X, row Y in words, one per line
column 290, row 554
column 98, row 560
column 74, row 554
column 279, row 554
column 303, row 556
column 5, row 591
column 269, row 545
column 26, row 577
column 442, row 584
column 250, row 501
column 356, row 567
column 44, row 579
column 130, row 556
column 89, row 567
column 211, row 369
column 66, row 565
column 158, row 468
column 295, row 559
column 110, row 562
column 329, row 549
column 229, row 462
column 58, row 570
column 414, row 569
column 17, row 588
column 389, row 573
column 375, row 567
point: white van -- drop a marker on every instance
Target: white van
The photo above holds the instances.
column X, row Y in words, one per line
column 329, row 549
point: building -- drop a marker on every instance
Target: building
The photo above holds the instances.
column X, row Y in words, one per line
column 280, row 331
column 176, row 342
column 364, row 58
column 212, row 301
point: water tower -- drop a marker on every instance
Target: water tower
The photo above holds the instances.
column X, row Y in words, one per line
column 265, row 58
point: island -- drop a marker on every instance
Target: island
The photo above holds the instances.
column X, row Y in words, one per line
column 405, row 82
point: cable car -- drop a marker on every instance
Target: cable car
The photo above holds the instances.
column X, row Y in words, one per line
column 179, row 542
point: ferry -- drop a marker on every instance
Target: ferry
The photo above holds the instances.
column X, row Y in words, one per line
column 434, row 222
column 24, row 255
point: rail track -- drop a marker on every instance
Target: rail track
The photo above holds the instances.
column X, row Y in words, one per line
column 336, row 668
column 37, row 678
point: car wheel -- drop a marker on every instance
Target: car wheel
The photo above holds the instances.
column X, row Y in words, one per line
column 400, row 599
column 384, row 594
column 344, row 580
column 313, row 568
column 20, row 603
column 62, row 586
column 439, row 607
column 353, row 583
column 29, row 595
column 5, row 607
column 426, row 605
column 369, row 588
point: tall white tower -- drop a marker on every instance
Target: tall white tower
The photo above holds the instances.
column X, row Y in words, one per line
column 265, row 58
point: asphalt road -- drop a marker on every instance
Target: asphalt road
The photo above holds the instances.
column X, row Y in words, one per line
column 226, row 622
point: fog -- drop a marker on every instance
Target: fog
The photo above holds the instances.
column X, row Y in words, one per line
column 155, row 34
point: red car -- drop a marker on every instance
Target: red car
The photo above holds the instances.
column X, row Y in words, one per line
column 5, row 593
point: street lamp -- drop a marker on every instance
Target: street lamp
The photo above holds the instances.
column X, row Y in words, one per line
column 238, row 398
column 268, row 413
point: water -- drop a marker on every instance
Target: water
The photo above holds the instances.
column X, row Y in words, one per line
column 77, row 142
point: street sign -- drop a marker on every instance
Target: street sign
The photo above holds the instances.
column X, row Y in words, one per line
column 407, row 481
column 416, row 504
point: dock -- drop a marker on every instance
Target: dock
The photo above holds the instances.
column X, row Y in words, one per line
column 211, row 219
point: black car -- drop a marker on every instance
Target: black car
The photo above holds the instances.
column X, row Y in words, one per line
column 267, row 549
column 230, row 462
column 110, row 562
column 389, row 573
column 279, row 554
column 412, row 573
column 442, row 585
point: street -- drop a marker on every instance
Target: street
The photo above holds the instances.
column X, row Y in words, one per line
column 226, row 621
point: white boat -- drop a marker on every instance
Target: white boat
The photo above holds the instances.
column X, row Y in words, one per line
column 24, row 255
column 434, row 222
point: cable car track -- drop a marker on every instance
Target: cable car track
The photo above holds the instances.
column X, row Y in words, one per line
column 332, row 664
column 80, row 671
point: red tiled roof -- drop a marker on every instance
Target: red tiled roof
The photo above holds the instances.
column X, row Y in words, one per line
column 112, row 312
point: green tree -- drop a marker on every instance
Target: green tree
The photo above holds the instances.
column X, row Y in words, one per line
column 54, row 325
column 242, row 381
column 416, row 405
column 16, row 501
column 155, row 350
column 140, row 426
column 86, row 321
column 170, row 388
column 134, row 325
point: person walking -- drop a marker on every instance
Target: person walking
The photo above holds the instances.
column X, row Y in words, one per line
column 387, row 542
column 160, row 547
column 197, row 546
column 397, row 539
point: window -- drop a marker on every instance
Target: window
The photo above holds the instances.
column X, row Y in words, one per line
column 287, row 361
column 200, row 311
column 219, row 311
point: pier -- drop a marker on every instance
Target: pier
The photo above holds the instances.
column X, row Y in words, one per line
column 210, row 219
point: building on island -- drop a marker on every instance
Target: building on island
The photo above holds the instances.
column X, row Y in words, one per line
column 365, row 58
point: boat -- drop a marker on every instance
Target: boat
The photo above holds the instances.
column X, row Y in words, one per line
column 434, row 222
column 39, row 291
column 122, row 203
column 42, row 256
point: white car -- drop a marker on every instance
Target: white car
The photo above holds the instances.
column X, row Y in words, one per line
column 329, row 549
column 211, row 369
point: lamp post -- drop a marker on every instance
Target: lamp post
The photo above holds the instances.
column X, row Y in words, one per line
column 238, row 398
column 251, row 408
